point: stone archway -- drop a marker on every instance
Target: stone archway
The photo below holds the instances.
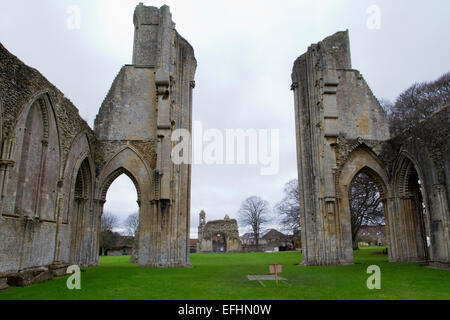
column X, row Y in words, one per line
column 157, row 244
column 342, row 129
column 219, row 243
column 74, row 238
column 29, row 186
column 129, row 162
column 133, row 185
column 80, row 214
column 34, row 177
column 360, row 160
column 412, row 210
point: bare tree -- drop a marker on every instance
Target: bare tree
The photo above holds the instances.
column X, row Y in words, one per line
column 107, row 236
column 289, row 208
column 387, row 106
column 419, row 102
column 254, row 212
column 132, row 223
column 365, row 205
column 109, row 221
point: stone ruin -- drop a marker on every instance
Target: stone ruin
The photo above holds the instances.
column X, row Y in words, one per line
column 341, row 131
column 218, row 235
column 55, row 170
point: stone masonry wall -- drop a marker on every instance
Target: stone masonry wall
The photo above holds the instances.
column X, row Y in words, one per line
column 332, row 103
column 227, row 228
column 55, row 171
column 27, row 238
column 341, row 131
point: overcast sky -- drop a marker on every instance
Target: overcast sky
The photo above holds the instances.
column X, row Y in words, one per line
column 245, row 51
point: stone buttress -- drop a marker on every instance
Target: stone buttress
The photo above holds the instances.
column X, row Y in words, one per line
column 148, row 100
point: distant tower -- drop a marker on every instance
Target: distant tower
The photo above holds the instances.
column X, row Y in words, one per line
column 201, row 225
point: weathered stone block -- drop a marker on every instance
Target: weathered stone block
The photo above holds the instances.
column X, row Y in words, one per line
column 58, row 269
column 28, row 277
column 3, row 282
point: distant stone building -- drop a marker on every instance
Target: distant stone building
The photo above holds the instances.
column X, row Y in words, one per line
column 218, row 235
column 372, row 235
column 275, row 238
column 271, row 239
column 193, row 245
column 123, row 246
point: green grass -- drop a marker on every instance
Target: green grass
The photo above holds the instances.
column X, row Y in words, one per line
column 223, row 277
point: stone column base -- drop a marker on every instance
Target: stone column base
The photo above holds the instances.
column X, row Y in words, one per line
column 58, row 269
column 3, row 282
column 439, row 265
column 29, row 276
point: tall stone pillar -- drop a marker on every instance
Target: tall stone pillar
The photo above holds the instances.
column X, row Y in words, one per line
column 332, row 103
column 96, row 229
column 148, row 101
column 440, row 225
column 315, row 82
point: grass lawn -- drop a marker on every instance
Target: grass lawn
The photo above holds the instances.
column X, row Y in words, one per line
column 223, row 277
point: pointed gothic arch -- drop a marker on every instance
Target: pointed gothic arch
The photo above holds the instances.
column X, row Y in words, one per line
column 38, row 160
column 361, row 159
column 412, row 207
column 80, row 217
column 130, row 162
column 113, row 176
column 127, row 161
column 76, row 202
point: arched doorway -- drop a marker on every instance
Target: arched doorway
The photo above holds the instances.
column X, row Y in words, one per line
column 402, row 202
column 120, row 216
column 362, row 162
column 413, row 214
column 366, row 210
column 162, row 236
column 38, row 161
column 219, row 243
column 81, row 213
column 129, row 165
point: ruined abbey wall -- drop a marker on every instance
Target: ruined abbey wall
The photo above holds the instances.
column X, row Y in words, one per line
column 218, row 233
column 148, row 101
column 341, row 131
column 41, row 134
column 55, row 171
column 421, row 152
